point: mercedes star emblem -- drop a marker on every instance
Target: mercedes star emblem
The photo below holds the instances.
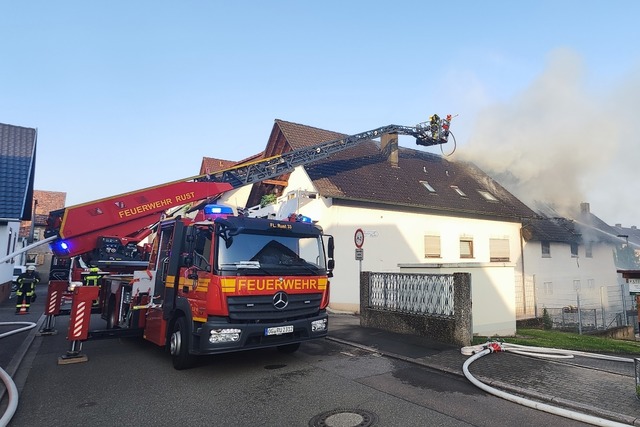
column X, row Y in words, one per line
column 280, row 300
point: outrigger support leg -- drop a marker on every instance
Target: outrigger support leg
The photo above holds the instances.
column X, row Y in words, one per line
column 52, row 308
column 83, row 297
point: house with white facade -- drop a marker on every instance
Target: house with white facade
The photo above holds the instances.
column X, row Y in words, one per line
column 570, row 266
column 418, row 212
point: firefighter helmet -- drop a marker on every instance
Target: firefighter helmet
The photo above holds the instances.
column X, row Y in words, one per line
column 31, row 268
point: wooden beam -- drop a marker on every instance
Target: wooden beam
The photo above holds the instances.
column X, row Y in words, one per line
column 275, row 182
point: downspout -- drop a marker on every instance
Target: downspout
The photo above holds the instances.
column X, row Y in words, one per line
column 524, row 280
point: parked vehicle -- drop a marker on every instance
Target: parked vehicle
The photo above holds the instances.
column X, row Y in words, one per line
column 17, row 271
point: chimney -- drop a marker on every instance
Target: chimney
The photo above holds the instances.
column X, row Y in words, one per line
column 584, row 207
column 389, row 147
column 618, row 225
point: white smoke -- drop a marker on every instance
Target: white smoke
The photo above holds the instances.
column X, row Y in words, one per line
column 562, row 144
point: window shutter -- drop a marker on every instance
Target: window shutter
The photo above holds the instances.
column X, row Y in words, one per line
column 499, row 250
column 431, row 246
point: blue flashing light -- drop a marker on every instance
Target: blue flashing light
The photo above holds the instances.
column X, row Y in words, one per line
column 299, row 218
column 302, row 218
column 60, row 247
column 213, row 211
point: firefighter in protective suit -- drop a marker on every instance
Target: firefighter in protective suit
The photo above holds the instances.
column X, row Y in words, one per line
column 27, row 282
column 92, row 279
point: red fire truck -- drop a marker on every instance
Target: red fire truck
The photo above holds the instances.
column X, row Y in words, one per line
column 211, row 281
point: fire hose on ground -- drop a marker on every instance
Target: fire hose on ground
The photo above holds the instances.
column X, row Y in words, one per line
column 478, row 351
column 6, row 378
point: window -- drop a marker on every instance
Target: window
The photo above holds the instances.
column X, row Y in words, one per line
column 466, row 247
column 32, row 258
column 9, row 242
column 588, row 250
column 428, row 186
column 431, row 246
column 574, row 250
column 547, row 288
column 576, row 285
column 546, row 249
column 458, row 190
column 591, row 284
column 488, row 196
column 499, row 250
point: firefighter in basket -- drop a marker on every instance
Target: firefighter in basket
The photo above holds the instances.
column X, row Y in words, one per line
column 92, row 279
column 26, row 292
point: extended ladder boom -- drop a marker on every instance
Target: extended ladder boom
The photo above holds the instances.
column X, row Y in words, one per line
column 131, row 214
column 272, row 167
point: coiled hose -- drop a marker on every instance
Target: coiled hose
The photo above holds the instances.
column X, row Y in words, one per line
column 481, row 350
column 6, row 378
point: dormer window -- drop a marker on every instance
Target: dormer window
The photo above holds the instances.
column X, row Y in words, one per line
column 458, row 190
column 428, row 186
column 488, row 196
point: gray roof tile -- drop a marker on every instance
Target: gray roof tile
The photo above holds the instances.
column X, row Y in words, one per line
column 17, row 168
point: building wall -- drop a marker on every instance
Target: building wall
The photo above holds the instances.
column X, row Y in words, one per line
column 560, row 278
column 9, row 243
column 44, row 202
column 394, row 239
column 236, row 198
column 493, row 311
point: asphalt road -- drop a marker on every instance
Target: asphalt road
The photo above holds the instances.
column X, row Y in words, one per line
column 132, row 382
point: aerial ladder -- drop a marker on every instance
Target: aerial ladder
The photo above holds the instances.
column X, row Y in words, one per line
column 76, row 230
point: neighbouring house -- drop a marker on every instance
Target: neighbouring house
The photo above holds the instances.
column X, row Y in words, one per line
column 17, row 170
column 570, row 270
column 419, row 212
column 33, row 230
column 628, row 257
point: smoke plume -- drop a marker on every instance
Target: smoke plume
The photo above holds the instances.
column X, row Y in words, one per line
column 559, row 143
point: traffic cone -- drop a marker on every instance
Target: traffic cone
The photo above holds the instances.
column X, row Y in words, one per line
column 23, row 309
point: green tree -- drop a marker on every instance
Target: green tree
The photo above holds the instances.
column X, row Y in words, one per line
column 267, row 199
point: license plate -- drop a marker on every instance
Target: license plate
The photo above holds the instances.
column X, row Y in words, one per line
column 279, row 330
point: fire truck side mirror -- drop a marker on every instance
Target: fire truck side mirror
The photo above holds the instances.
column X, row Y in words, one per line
column 330, row 247
column 330, row 262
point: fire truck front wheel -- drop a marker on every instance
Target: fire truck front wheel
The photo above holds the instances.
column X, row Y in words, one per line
column 179, row 345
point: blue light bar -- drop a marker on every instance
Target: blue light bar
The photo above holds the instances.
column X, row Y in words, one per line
column 213, row 211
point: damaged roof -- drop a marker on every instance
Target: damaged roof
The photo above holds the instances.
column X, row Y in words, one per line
column 421, row 180
column 17, row 170
column 584, row 227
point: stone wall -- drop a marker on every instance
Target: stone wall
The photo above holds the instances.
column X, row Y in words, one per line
column 455, row 330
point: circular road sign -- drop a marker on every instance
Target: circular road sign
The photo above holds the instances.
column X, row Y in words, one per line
column 358, row 238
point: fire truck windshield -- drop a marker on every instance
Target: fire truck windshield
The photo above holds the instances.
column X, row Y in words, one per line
column 263, row 254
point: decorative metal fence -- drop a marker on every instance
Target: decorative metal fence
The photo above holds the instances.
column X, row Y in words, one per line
column 426, row 294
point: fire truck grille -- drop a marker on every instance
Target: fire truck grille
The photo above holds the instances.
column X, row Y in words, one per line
column 262, row 307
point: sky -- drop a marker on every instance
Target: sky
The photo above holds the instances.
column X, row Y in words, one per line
column 127, row 95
